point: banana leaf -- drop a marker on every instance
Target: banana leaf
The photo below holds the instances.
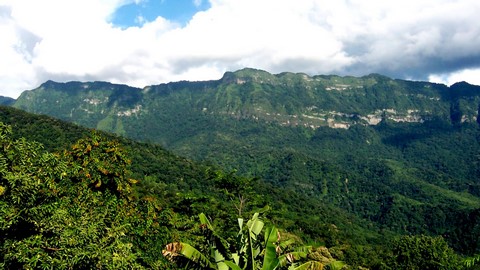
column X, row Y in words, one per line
column 311, row 265
column 336, row 265
column 291, row 257
column 270, row 260
column 177, row 248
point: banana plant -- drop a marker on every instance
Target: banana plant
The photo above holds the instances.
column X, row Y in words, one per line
column 218, row 247
column 252, row 253
column 249, row 251
column 176, row 249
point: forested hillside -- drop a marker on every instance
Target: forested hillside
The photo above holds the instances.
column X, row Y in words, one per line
column 286, row 99
column 166, row 192
column 87, row 199
column 349, row 163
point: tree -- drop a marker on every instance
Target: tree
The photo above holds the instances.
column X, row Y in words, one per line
column 70, row 211
column 235, row 188
column 100, row 164
column 423, row 252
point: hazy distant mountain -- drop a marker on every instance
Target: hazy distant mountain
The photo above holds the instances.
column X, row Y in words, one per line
column 6, row 100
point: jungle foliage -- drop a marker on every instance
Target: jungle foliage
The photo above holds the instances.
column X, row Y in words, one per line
column 73, row 209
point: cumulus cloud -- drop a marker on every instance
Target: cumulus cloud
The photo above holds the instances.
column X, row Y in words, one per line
column 436, row 40
column 16, row 52
column 468, row 75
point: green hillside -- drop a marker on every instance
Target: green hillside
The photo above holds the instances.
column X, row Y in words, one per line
column 401, row 157
column 179, row 190
column 86, row 199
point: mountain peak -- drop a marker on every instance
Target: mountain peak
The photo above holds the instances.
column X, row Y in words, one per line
column 377, row 76
column 49, row 84
column 251, row 72
column 247, row 75
column 461, row 84
column 464, row 89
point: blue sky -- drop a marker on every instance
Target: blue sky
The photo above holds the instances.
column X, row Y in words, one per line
column 145, row 42
column 136, row 14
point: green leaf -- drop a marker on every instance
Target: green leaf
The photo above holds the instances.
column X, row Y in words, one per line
column 270, row 260
column 232, row 265
column 236, row 258
column 311, row 265
column 220, row 260
column 255, row 225
column 240, row 223
column 291, row 257
column 189, row 252
column 336, row 265
column 204, row 221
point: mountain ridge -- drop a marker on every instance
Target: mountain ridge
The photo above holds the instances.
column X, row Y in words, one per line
column 285, row 98
column 6, row 100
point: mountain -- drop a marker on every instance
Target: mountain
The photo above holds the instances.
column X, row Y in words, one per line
column 401, row 154
column 285, row 99
column 6, row 100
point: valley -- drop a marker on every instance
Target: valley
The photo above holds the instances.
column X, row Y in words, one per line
column 373, row 157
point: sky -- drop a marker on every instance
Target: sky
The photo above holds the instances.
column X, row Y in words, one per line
column 146, row 42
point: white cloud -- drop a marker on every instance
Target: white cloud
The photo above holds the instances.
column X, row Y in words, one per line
column 73, row 40
column 16, row 71
column 197, row 3
column 469, row 75
column 140, row 20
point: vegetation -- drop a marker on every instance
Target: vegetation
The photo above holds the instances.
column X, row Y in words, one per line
column 81, row 208
column 251, row 250
column 424, row 252
column 72, row 210
column 365, row 194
